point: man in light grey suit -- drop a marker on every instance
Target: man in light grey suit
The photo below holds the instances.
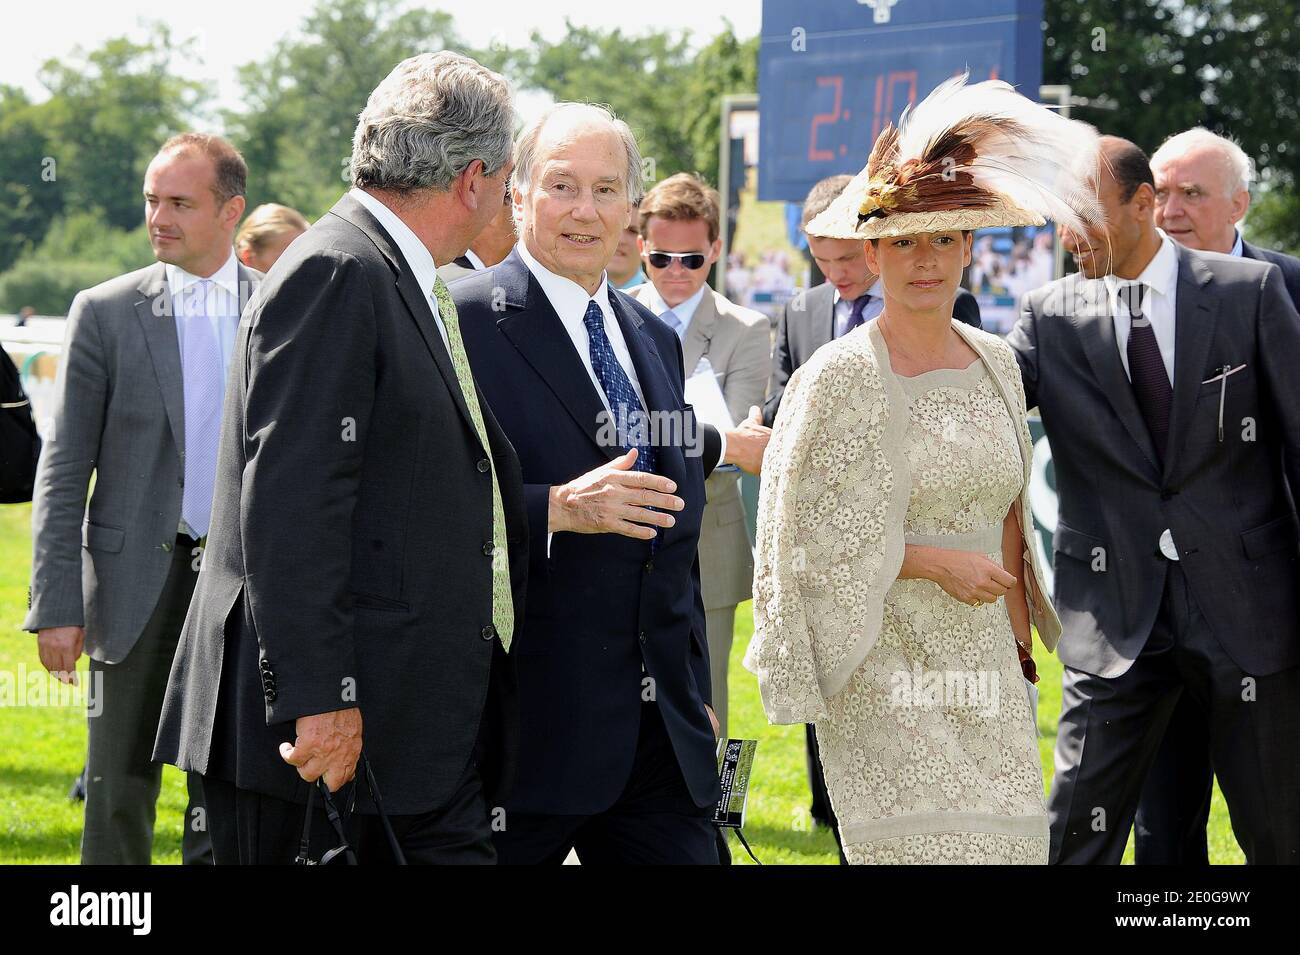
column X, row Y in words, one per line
column 679, row 227
column 138, row 404
column 1166, row 382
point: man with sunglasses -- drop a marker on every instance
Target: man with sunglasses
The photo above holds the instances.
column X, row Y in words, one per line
column 679, row 226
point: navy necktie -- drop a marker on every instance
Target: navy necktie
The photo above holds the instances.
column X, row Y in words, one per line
column 1147, row 369
column 855, row 315
column 629, row 414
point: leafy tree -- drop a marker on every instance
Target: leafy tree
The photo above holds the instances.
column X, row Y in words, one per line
column 303, row 100
column 1151, row 68
column 108, row 112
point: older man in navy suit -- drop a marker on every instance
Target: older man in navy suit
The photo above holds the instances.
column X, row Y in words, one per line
column 617, row 753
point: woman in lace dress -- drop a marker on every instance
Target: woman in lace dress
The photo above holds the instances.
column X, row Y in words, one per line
column 895, row 584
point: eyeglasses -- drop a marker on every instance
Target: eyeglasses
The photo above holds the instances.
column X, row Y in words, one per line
column 690, row 260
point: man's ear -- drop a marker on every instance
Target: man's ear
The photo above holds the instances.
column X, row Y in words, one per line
column 1240, row 203
column 715, row 250
column 233, row 210
column 471, row 183
column 873, row 262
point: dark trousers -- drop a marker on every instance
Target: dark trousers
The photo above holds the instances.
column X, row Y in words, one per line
column 653, row 822
column 122, row 780
column 821, row 809
column 1110, row 731
column 250, row 828
column 1174, row 808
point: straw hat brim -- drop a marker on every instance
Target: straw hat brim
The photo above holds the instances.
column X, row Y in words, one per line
column 840, row 219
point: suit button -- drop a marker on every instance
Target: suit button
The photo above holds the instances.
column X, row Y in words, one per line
column 649, row 566
column 489, row 632
column 484, row 466
column 270, row 695
column 489, row 549
column 641, row 636
column 167, row 546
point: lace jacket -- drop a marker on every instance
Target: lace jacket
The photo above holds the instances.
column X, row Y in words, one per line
column 835, row 491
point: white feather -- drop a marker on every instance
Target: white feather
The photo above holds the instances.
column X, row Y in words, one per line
column 1051, row 170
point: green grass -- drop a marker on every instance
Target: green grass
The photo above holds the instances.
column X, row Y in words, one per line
column 42, row 749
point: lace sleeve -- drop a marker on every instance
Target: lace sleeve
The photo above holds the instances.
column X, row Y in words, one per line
column 820, row 555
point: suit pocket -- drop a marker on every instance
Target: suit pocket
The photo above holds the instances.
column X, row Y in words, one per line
column 1076, row 544
column 1276, row 535
column 375, row 602
column 102, row 537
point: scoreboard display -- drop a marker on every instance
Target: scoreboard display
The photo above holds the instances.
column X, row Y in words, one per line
column 833, row 72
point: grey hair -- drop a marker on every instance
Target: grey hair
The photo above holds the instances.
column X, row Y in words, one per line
column 431, row 117
column 1234, row 157
column 526, row 146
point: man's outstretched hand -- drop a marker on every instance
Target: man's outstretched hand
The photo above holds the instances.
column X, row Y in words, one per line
column 614, row 499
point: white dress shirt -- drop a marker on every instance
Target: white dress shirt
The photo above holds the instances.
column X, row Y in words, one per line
column 1161, row 279
column 682, row 313
column 844, row 308
column 417, row 255
column 474, row 260
column 222, row 306
column 1236, row 245
column 570, row 300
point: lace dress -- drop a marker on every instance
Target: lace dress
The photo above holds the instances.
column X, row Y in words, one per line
column 930, row 751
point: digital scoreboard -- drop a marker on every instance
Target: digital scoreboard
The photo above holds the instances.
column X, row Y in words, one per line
column 833, row 72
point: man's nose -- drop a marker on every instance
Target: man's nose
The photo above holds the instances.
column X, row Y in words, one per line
column 585, row 208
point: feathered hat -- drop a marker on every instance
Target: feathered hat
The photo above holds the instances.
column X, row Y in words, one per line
column 969, row 157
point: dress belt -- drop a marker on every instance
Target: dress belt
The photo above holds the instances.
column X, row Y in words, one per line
column 987, row 540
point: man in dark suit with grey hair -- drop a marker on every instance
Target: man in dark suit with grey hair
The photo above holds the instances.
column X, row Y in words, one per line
column 1165, row 379
column 368, row 543
column 1202, row 191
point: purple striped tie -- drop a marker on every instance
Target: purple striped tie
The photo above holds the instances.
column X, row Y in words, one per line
column 1147, row 369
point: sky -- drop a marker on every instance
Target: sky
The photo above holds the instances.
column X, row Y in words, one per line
column 230, row 33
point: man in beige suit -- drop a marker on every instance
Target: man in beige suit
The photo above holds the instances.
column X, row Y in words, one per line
column 679, row 226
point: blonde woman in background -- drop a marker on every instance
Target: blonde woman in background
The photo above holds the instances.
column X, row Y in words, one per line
column 266, row 233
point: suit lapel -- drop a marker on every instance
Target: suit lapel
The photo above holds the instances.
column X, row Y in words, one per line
column 1096, row 330
column 533, row 327
column 1194, row 323
column 158, row 321
column 700, row 332
column 417, row 302
column 823, row 321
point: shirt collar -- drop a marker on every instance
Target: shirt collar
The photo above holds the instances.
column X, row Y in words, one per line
column 226, row 277
column 1161, row 273
column 567, row 297
column 417, row 255
column 684, row 311
column 474, row 260
column 1236, row 246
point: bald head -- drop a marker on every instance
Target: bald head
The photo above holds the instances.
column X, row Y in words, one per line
column 1127, row 239
column 1202, row 189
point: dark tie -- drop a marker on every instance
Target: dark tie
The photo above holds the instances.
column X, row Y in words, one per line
column 629, row 414
column 1146, row 368
column 464, row 262
column 855, row 316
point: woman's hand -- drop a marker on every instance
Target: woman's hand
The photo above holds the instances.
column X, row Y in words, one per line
column 966, row 576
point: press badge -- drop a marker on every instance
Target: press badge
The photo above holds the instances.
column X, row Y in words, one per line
column 735, row 761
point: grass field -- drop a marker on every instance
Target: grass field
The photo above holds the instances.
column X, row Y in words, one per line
column 42, row 749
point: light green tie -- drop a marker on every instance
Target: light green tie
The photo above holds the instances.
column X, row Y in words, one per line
column 503, row 607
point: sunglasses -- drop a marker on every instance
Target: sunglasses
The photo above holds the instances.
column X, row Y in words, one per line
column 689, row 260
